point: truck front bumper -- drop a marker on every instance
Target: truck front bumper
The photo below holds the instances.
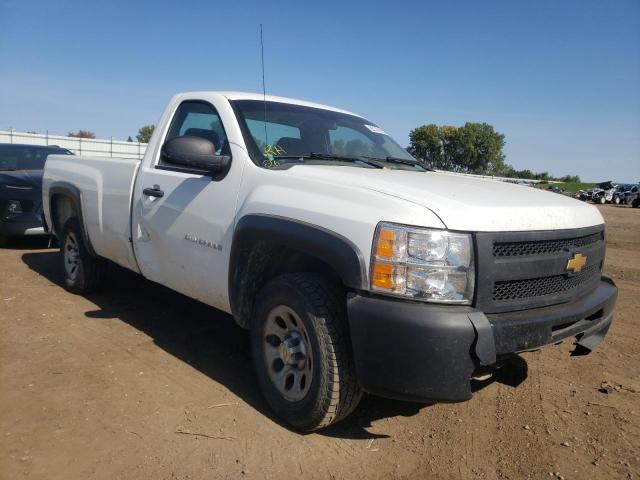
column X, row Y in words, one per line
column 427, row 352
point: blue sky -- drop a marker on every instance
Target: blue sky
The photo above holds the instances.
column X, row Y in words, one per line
column 560, row 78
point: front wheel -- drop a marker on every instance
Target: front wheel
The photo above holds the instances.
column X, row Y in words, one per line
column 83, row 272
column 616, row 200
column 302, row 352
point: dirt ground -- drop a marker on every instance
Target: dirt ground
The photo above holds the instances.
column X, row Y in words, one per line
column 118, row 384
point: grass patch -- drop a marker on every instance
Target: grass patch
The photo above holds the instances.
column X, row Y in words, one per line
column 567, row 186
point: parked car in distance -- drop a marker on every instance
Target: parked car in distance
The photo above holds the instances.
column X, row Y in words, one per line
column 582, row 195
column 604, row 193
column 626, row 194
column 632, row 197
column 21, row 169
column 354, row 267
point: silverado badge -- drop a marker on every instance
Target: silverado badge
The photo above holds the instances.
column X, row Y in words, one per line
column 576, row 262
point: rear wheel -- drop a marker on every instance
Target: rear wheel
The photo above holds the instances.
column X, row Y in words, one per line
column 302, row 352
column 83, row 273
column 616, row 200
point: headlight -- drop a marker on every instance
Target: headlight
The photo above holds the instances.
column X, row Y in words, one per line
column 429, row 265
column 14, row 207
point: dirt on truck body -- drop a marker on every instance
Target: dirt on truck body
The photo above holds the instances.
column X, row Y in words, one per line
column 140, row 382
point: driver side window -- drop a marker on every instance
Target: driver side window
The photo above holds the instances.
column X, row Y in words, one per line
column 198, row 119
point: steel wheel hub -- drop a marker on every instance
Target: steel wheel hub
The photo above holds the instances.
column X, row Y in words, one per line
column 287, row 353
column 71, row 256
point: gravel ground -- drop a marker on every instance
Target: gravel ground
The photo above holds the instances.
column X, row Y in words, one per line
column 140, row 382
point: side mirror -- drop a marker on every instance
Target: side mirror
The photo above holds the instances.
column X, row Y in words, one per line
column 194, row 152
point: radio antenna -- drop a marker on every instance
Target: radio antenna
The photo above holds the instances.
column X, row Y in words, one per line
column 264, row 89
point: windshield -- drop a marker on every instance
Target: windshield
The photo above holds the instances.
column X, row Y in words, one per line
column 25, row 157
column 300, row 134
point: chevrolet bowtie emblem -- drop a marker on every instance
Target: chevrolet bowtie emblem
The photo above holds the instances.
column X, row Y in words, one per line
column 576, row 262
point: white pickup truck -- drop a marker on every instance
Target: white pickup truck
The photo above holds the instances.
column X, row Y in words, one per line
column 354, row 267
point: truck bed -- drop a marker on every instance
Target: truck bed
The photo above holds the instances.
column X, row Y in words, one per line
column 106, row 188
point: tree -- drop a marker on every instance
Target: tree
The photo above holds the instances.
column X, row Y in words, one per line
column 479, row 148
column 144, row 134
column 472, row 148
column 82, row 134
column 129, row 139
column 426, row 143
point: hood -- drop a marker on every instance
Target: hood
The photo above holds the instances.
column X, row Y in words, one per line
column 465, row 203
column 22, row 178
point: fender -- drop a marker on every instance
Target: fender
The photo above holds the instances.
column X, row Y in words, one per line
column 73, row 193
column 335, row 250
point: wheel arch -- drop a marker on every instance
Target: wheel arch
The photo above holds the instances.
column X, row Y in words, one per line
column 65, row 201
column 265, row 246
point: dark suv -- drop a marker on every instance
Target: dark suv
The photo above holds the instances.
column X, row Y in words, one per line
column 631, row 196
column 21, row 188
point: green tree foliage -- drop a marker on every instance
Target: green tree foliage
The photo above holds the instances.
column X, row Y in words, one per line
column 427, row 144
column 144, row 134
column 509, row 171
column 82, row 134
column 129, row 139
column 472, row 148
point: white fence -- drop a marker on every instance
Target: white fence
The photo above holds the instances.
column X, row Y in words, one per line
column 92, row 147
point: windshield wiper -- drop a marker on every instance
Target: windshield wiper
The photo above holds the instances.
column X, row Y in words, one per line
column 329, row 156
column 403, row 161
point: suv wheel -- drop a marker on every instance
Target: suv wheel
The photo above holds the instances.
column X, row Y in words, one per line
column 83, row 273
column 302, row 352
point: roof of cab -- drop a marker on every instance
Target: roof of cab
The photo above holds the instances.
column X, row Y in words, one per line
column 272, row 98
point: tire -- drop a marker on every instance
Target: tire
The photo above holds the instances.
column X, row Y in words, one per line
column 636, row 203
column 83, row 272
column 305, row 370
column 602, row 200
column 616, row 200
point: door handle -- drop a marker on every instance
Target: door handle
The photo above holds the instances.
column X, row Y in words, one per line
column 153, row 191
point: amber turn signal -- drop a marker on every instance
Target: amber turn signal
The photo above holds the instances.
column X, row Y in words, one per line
column 386, row 238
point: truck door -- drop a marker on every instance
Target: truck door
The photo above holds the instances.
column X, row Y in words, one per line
column 182, row 219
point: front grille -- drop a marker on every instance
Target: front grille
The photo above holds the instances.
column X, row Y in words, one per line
column 541, row 247
column 540, row 287
column 522, row 270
